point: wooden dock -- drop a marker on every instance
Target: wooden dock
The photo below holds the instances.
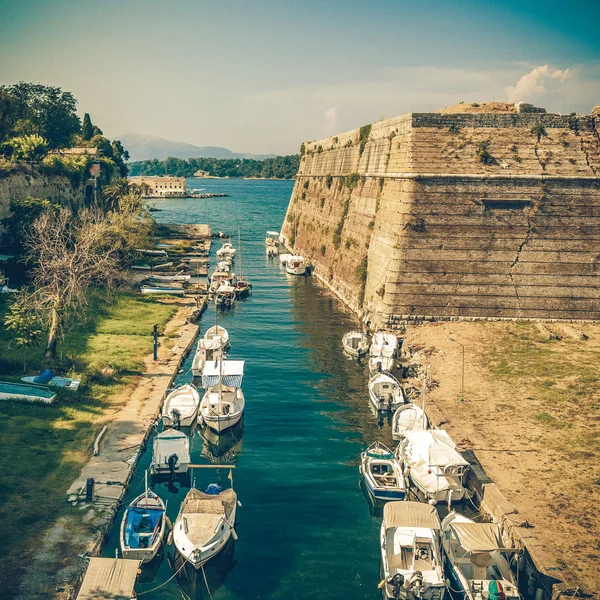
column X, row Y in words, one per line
column 109, row 579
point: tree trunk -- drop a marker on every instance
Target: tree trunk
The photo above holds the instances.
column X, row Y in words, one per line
column 50, row 353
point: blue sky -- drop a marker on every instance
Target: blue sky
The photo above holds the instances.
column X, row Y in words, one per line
column 263, row 76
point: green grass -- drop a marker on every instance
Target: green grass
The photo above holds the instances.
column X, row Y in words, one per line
column 43, row 448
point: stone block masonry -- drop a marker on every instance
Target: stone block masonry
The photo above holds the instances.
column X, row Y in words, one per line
column 455, row 215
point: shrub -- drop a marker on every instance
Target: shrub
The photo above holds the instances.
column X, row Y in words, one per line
column 475, row 104
column 329, row 181
column 539, row 130
column 322, row 202
column 347, row 243
column 371, row 225
column 28, row 147
column 352, row 180
column 306, row 184
column 302, row 149
column 482, row 154
column 319, row 149
column 323, row 250
column 454, row 129
column 361, row 275
column 365, row 131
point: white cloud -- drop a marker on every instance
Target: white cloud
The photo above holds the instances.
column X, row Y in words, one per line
column 331, row 114
column 538, row 82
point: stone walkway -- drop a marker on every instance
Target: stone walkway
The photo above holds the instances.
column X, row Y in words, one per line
column 57, row 567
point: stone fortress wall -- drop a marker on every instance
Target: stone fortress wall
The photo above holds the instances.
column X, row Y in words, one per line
column 455, row 215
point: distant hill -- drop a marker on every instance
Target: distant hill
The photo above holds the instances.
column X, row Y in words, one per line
column 145, row 147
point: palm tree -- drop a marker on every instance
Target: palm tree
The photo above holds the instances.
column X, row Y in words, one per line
column 118, row 188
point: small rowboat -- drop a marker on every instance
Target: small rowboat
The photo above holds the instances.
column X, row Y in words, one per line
column 181, row 406
column 355, row 343
column 382, row 473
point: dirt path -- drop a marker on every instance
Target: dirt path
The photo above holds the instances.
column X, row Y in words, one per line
column 57, row 566
column 531, row 414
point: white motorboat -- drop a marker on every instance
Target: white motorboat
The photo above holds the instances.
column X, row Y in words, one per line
column 174, row 277
column 272, row 238
column 225, row 296
column 170, row 452
column 283, row 258
column 355, row 343
column 475, row 559
column 143, row 527
column 162, row 289
column 410, row 552
column 272, row 251
column 382, row 352
column 216, row 331
column 295, row 265
column 224, row 267
column 207, row 350
column 218, row 278
column 223, row 403
column 181, row 406
column 226, row 250
column 382, row 473
column 204, row 525
column 434, row 464
column 385, row 392
column 408, row 417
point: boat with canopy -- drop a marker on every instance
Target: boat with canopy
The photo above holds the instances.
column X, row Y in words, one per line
column 207, row 350
column 382, row 473
column 383, row 350
column 385, row 392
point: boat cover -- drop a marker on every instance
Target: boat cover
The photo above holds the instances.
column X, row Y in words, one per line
column 435, row 447
column 211, row 344
column 197, row 502
column 44, row 377
column 140, row 520
column 410, row 514
column 233, row 373
column 478, row 537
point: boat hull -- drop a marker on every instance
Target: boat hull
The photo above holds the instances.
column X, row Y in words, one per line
column 439, row 495
column 143, row 554
column 380, row 493
column 295, row 270
column 220, row 424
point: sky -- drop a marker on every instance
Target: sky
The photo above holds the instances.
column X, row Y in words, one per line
column 262, row 76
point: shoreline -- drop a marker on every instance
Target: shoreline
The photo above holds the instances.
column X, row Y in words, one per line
column 56, row 573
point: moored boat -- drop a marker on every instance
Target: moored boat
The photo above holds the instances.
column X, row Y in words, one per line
column 170, row 452
column 216, row 331
column 382, row 352
column 382, row 473
column 283, row 258
column 207, row 350
column 411, row 557
column 355, row 343
column 272, row 238
column 219, row 278
column 295, row 265
column 24, row 391
column 385, row 392
column 204, row 524
column 181, row 406
column 475, row 559
column 434, row 464
column 175, row 277
column 408, row 417
column 226, row 250
column 242, row 288
column 162, row 289
column 143, row 527
column 225, row 296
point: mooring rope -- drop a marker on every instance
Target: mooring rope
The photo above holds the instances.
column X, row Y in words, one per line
column 206, row 582
column 167, row 581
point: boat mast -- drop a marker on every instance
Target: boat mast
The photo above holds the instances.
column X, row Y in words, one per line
column 146, row 492
column 240, row 251
column 423, row 395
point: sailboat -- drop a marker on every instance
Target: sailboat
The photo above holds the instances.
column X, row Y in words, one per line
column 223, row 403
column 143, row 526
column 216, row 331
column 242, row 287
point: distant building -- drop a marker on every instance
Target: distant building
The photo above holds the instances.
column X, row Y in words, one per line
column 201, row 173
column 76, row 151
column 159, row 187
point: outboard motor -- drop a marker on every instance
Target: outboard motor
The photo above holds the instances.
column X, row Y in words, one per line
column 415, row 583
column 172, row 462
column 390, row 402
column 176, row 416
column 396, row 581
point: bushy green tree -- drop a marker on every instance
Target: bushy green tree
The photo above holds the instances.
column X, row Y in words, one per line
column 87, row 129
column 28, row 147
column 25, row 325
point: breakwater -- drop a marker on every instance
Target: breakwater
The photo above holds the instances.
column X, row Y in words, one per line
column 433, row 215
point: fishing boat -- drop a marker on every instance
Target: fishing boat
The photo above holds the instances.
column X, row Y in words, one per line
column 175, row 277
column 170, row 453
column 181, row 406
column 412, row 564
column 385, row 392
column 382, row 473
column 223, row 403
column 225, row 296
column 224, row 267
column 226, row 250
column 143, row 527
column 283, row 258
column 475, row 561
column 382, row 352
column 218, row 278
column 162, row 289
column 25, row 391
column 355, row 343
column 272, row 251
column 204, row 524
column 216, row 331
column 408, row 417
column 207, row 350
column 272, row 238
column 295, row 265
column 434, row 464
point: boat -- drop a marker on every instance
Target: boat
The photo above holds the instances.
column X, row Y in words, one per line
column 216, row 331
column 355, row 343
column 207, row 350
column 382, row 473
column 225, row 296
column 474, row 558
column 170, row 453
column 25, row 391
column 223, row 267
column 412, row 564
column 204, row 524
column 162, row 289
column 181, row 406
column 408, row 417
column 242, row 288
column 175, row 277
column 223, row 403
column 283, row 258
column 272, row 239
column 434, row 464
column 385, row 392
column 226, row 250
column 143, row 527
column 47, row 377
column 272, row 251
column 218, row 278
column 382, row 352
column 295, row 265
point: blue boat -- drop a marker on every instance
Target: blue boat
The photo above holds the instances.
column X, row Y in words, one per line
column 24, row 391
column 382, row 473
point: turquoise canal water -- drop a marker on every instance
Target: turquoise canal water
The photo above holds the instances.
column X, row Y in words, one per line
column 305, row 528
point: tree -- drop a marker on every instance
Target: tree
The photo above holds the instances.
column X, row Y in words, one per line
column 26, row 326
column 69, row 255
column 28, row 147
column 118, row 188
column 43, row 110
column 23, row 212
column 87, row 129
column 8, row 112
column 119, row 151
